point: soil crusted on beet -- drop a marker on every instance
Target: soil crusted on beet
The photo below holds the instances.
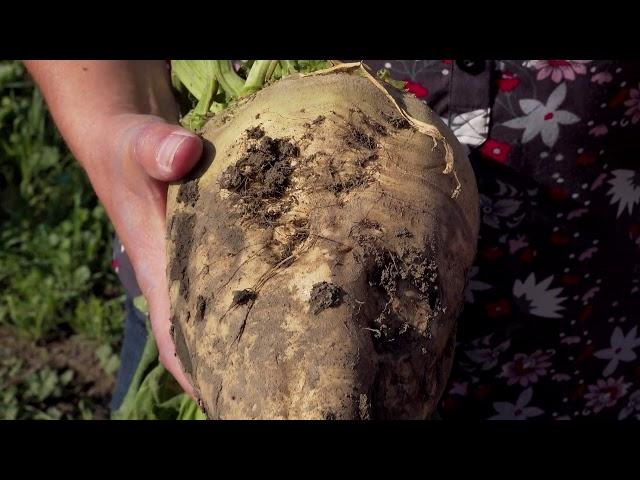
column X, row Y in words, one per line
column 255, row 133
column 317, row 121
column 240, row 297
column 364, row 407
column 345, row 182
column 183, row 225
column 396, row 121
column 403, row 232
column 325, row 295
column 260, row 177
column 188, row 193
column 357, row 139
column 201, row 307
column 390, row 271
column 344, row 177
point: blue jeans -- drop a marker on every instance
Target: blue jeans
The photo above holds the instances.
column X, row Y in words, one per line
column 135, row 337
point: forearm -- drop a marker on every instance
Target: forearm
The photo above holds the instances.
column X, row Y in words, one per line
column 96, row 106
column 101, row 87
column 119, row 120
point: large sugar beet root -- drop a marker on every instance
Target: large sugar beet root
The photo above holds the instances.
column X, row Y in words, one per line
column 317, row 260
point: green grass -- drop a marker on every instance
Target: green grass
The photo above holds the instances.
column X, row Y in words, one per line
column 55, row 238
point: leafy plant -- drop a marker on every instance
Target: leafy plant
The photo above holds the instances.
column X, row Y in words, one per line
column 54, row 235
column 55, row 253
column 153, row 393
column 38, row 394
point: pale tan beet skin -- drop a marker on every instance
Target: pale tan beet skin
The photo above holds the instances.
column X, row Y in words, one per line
column 375, row 352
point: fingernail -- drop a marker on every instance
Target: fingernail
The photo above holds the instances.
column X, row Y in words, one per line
column 168, row 149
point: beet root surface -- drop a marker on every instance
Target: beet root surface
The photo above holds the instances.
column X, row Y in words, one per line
column 318, row 257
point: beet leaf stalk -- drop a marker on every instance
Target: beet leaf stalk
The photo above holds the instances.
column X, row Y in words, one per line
column 209, row 86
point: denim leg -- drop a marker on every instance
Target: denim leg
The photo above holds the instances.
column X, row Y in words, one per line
column 135, row 337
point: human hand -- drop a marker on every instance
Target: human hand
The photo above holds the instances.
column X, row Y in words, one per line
column 120, row 121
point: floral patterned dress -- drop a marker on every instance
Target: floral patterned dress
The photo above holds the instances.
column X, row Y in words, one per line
column 550, row 327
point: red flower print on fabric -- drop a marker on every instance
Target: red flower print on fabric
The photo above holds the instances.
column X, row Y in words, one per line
column 491, row 253
column 527, row 255
column 558, row 194
column 585, row 159
column 498, row 309
column 415, row 88
column 559, row 238
column 508, row 82
column 495, row 150
column 619, row 98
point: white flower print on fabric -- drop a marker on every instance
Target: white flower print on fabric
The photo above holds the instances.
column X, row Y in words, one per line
column 526, row 369
column 602, row 78
column 471, row 128
column 625, row 190
column 506, row 189
column 632, row 406
column 559, row 70
column 493, row 210
column 605, row 394
column 571, row 340
column 543, row 119
column 459, row 388
column 599, row 130
column 474, row 285
column 519, row 411
column 487, row 357
column 537, row 298
column 621, row 349
column 517, row 243
column 634, row 105
column 587, row 254
column 590, row 294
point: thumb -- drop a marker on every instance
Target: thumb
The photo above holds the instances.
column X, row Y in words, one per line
column 166, row 152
